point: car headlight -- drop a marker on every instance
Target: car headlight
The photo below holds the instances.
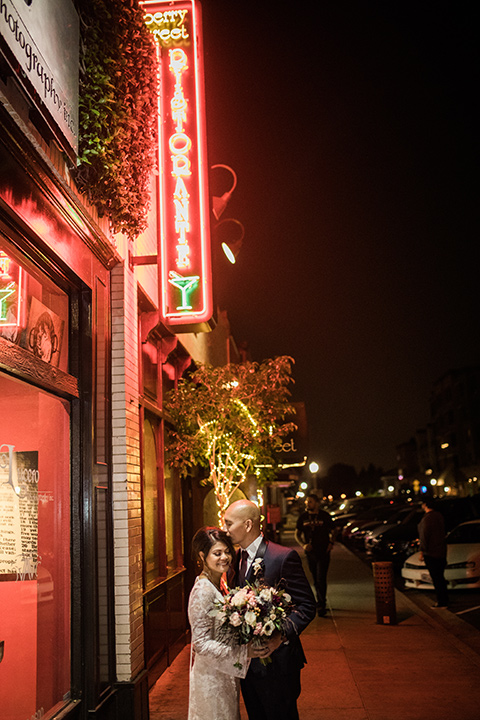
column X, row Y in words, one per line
column 456, row 566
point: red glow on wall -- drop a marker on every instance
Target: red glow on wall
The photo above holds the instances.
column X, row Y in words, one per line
column 186, row 293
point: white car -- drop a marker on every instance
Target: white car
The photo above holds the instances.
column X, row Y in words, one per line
column 463, row 561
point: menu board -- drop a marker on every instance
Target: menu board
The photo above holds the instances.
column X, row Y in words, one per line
column 18, row 513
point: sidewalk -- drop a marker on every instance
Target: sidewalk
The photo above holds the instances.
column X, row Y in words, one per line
column 424, row 668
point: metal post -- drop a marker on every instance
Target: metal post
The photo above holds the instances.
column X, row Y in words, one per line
column 384, row 593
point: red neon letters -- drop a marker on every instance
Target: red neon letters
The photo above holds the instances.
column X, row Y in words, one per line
column 185, row 240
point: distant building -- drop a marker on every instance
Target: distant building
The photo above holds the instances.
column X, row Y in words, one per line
column 455, row 416
column 445, row 456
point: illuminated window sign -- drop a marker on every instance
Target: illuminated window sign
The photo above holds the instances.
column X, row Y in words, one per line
column 185, row 237
column 12, row 296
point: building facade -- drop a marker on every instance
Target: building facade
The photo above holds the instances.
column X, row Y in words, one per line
column 95, row 528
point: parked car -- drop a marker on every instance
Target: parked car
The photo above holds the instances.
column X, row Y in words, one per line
column 352, row 507
column 371, row 535
column 463, row 561
column 354, row 531
column 358, row 504
column 397, row 543
column 394, row 542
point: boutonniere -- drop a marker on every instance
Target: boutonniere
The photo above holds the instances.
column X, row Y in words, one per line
column 257, row 566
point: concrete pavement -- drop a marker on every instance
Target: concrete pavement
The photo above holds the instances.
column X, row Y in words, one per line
column 426, row 667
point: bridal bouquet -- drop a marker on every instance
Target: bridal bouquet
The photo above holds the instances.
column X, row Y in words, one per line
column 252, row 613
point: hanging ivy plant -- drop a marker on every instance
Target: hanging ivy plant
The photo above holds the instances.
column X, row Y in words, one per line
column 117, row 112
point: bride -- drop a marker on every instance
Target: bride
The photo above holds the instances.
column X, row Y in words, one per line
column 214, row 679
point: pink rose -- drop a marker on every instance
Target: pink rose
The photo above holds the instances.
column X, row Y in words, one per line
column 235, row 619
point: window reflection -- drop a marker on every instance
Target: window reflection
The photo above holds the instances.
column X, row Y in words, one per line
column 33, row 311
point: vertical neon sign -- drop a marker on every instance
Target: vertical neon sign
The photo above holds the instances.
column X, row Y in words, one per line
column 186, row 292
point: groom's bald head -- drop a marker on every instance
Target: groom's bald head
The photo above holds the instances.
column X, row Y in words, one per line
column 242, row 522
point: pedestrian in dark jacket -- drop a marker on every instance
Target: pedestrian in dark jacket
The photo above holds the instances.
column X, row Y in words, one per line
column 433, row 549
column 314, row 533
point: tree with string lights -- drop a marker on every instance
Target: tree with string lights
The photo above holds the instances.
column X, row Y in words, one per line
column 230, row 420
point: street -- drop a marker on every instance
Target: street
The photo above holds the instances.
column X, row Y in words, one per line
column 465, row 604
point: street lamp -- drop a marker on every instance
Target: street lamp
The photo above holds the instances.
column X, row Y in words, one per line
column 231, row 246
column 314, row 468
column 220, row 203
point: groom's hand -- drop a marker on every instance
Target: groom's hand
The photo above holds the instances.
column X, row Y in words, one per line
column 273, row 642
column 258, row 651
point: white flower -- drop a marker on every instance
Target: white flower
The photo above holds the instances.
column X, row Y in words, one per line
column 250, row 618
column 287, row 597
column 266, row 594
column 235, row 619
column 257, row 566
column 272, row 615
column 268, row 628
column 240, row 597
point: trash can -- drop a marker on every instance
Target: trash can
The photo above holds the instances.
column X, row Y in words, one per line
column 384, row 593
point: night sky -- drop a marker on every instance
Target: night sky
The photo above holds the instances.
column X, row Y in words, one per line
column 350, row 126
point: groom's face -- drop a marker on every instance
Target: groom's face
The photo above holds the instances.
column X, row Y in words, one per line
column 237, row 527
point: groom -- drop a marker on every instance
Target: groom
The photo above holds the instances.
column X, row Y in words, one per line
column 271, row 691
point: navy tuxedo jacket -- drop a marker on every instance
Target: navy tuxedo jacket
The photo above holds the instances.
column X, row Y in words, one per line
column 283, row 565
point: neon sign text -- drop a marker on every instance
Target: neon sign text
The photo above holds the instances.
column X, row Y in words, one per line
column 180, row 145
column 183, row 196
column 168, row 35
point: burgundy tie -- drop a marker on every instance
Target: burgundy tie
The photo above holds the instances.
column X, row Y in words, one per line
column 243, row 568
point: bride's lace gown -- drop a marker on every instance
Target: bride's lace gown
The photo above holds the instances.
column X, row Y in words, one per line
column 214, row 679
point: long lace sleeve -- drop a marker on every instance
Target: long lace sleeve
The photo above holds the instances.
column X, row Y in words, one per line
column 220, row 655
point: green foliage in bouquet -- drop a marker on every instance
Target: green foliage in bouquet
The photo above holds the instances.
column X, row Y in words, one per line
column 117, row 112
column 230, row 419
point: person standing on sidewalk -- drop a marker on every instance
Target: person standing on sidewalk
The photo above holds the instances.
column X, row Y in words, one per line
column 433, row 549
column 314, row 533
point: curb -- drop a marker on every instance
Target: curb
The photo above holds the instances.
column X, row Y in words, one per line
column 463, row 635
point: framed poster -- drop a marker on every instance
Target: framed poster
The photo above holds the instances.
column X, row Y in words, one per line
column 44, row 332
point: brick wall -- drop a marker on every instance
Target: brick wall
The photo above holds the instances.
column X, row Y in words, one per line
column 127, row 522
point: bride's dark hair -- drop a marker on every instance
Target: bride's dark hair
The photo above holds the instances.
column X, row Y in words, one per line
column 205, row 538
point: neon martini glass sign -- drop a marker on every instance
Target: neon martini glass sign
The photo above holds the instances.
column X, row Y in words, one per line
column 11, row 293
column 185, row 272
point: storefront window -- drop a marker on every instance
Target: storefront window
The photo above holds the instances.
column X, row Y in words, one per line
column 34, row 544
column 161, row 507
column 173, row 533
column 33, row 311
column 150, row 502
